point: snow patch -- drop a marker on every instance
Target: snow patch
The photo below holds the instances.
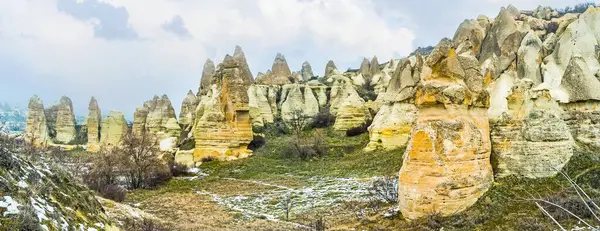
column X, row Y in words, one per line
column 12, row 207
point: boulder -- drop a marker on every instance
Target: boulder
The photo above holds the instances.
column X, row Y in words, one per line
column 113, row 129
column 93, row 125
column 65, row 121
column 36, row 130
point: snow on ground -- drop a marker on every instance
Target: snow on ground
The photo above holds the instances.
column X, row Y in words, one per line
column 12, row 207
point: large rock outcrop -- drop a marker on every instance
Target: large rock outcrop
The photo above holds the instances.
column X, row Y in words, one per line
column 138, row 128
column 65, row 121
column 446, row 165
column 306, row 72
column 331, row 69
column 112, row 130
column 223, row 129
column 36, row 131
column 532, row 139
column 93, row 125
column 300, row 101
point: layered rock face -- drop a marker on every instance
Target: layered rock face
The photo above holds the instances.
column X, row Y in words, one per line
column 36, row 130
column 446, row 165
column 113, row 129
column 531, row 140
column 65, row 121
column 93, row 125
column 222, row 128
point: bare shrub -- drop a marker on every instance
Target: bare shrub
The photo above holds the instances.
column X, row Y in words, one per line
column 324, row 118
column 178, row 169
column 114, row 192
column 385, row 189
column 144, row 225
column 298, row 122
column 286, row 205
column 319, row 224
column 142, row 166
column 307, row 148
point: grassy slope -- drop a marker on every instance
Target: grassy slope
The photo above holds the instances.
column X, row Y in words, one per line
column 504, row 207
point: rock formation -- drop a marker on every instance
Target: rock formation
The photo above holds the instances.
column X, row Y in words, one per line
column 446, row 165
column 306, row 72
column 188, row 110
column 352, row 112
column 113, row 129
column 223, row 129
column 36, row 131
column 65, row 121
column 161, row 116
column 207, row 77
column 245, row 72
column 331, row 69
column 532, row 139
column 139, row 119
column 93, row 125
column 299, row 103
column 280, row 72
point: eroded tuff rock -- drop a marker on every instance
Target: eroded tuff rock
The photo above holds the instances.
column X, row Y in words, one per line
column 161, row 116
column 139, row 119
column 36, row 130
column 306, row 72
column 65, row 121
column 532, row 139
column 93, row 125
column 245, row 72
column 446, row 165
column 207, row 77
column 280, row 73
column 187, row 114
column 222, row 128
column 352, row 112
column 300, row 101
column 113, row 129
column 331, row 69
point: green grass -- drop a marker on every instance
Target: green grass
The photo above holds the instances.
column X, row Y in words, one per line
column 345, row 159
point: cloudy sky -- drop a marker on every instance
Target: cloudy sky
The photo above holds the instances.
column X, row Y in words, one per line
column 125, row 51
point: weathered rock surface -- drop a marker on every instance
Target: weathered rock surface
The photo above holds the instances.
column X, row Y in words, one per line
column 300, row 101
column 139, row 119
column 245, row 72
column 352, row 112
column 93, row 125
column 446, row 165
column 583, row 120
column 65, row 121
column 391, row 126
column 532, row 139
column 207, row 77
column 188, row 110
column 223, row 129
column 280, row 73
column 306, row 71
column 160, row 117
column 36, row 130
column 113, row 129
column 331, row 69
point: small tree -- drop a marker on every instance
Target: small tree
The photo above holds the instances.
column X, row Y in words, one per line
column 298, row 122
column 142, row 165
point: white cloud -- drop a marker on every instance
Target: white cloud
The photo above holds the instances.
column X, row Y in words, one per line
column 64, row 56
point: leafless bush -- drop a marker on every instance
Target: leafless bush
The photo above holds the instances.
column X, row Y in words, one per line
column 142, row 166
column 319, row 224
column 143, row 225
column 298, row 122
column 385, row 189
column 114, row 192
column 307, row 148
column 324, row 118
column 287, row 205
